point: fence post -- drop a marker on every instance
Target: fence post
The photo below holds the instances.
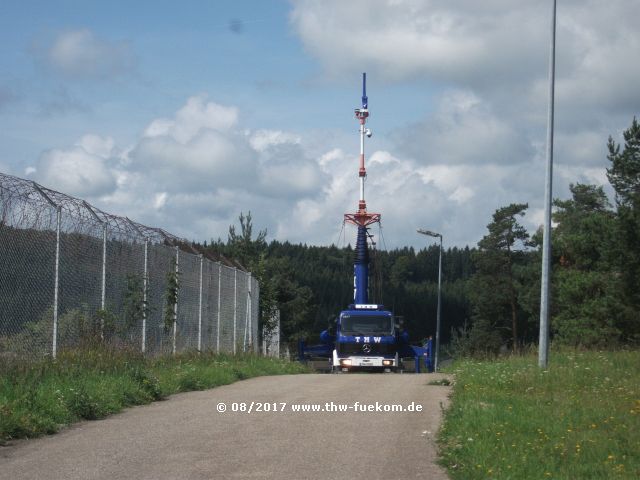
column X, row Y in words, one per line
column 235, row 306
column 175, row 306
column 145, row 280
column 104, row 266
column 103, row 293
column 104, row 277
column 219, row 305
column 56, row 295
column 56, row 284
column 200, row 306
column 247, row 311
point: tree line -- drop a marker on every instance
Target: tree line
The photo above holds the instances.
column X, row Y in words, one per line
column 491, row 292
column 311, row 284
column 595, row 294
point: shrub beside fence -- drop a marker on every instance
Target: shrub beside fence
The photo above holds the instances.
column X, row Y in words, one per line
column 71, row 274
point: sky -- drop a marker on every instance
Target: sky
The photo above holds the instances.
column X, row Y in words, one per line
column 182, row 115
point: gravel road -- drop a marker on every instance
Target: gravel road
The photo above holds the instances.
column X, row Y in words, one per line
column 186, row 437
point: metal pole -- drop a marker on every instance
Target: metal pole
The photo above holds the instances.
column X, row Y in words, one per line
column 145, row 280
column 278, row 348
column 235, row 306
column 56, row 282
column 104, row 277
column 175, row 308
column 200, row 307
column 250, row 309
column 246, row 313
column 543, row 345
column 56, row 288
column 104, row 262
column 437, row 354
column 219, row 304
column 437, row 350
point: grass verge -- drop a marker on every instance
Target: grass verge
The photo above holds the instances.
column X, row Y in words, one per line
column 578, row 420
column 41, row 398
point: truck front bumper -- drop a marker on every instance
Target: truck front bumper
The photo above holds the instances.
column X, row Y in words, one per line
column 361, row 361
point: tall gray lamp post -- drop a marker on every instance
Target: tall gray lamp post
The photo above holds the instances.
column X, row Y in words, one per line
column 437, row 353
column 545, row 281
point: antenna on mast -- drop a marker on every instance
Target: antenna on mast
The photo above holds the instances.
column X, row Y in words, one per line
column 362, row 217
column 364, row 91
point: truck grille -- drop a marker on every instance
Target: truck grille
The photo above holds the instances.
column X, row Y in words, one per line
column 356, row 349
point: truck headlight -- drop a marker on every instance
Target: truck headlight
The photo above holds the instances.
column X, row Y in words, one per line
column 387, row 363
column 346, row 362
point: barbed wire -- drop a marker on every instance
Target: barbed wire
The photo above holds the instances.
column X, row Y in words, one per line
column 27, row 199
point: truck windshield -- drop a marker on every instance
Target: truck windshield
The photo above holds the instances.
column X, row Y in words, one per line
column 366, row 325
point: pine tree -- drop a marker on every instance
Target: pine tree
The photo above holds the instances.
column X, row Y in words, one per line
column 494, row 286
column 624, row 176
column 587, row 308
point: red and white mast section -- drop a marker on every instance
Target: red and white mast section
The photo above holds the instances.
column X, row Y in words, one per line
column 362, row 218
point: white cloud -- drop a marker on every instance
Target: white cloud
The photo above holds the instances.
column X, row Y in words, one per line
column 186, row 173
column 196, row 115
column 76, row 171
column 160, row 200
column 495, row 46
column 262, row 139
column 80, row 53
column 399, row 39
column 464, row 130
column 97, row 145
column 461, row 195
column 198, row 149
column 491, row 60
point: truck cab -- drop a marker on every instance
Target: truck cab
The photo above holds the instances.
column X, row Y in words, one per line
column 366, row 338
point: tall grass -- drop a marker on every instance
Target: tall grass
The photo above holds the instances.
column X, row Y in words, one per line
column 580, row 419
column 41, row 398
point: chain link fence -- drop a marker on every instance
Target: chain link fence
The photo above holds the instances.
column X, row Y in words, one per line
column 71, row 274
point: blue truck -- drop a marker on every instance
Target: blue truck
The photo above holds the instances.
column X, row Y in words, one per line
column 365, row 335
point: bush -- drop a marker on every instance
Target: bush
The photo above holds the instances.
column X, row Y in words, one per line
column 482, row 340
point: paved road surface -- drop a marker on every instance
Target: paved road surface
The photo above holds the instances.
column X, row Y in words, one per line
column 186, row 437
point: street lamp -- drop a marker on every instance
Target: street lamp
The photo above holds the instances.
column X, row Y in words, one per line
column 545, row 281
column 436, row 235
